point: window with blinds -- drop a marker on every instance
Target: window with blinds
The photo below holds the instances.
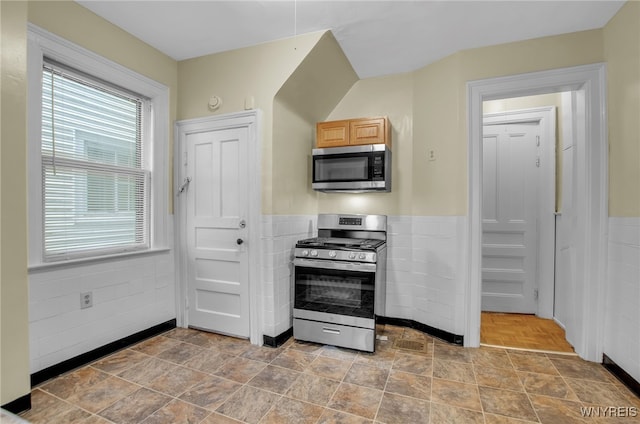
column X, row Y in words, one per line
column 95, row 188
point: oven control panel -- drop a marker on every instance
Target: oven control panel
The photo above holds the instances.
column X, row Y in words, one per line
column 344, row 220
column 338, row 255
column 352, row 222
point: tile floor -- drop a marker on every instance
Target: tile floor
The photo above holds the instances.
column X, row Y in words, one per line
column 187, row 376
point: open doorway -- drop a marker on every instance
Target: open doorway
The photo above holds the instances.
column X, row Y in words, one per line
column 521, row 192
column 587, row 218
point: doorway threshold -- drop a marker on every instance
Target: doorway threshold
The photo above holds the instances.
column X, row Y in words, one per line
column 522, row 349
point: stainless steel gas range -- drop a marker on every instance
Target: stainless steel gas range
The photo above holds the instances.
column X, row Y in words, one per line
column 340, row 281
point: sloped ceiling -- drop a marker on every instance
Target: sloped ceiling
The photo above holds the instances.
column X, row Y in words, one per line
column 378, row 37
column 320, row 82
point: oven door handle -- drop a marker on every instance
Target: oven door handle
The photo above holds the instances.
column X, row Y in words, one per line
column 341, row 266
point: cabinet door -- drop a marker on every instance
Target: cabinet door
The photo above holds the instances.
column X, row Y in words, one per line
column 368, row 131
column 332, row 134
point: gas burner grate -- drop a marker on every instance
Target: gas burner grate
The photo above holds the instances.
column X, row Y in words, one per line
column 414, row 345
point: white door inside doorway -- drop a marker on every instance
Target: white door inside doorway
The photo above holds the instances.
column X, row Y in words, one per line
column 518, row 211
column 218, row 218
column 509, row 218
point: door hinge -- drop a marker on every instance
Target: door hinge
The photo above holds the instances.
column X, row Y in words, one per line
column 535, row 294
column 538, row 140
column 538, row 162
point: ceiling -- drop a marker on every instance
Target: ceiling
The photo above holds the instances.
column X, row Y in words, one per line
column 378, row 37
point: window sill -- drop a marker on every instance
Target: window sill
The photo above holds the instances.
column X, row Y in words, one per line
column 95, row 259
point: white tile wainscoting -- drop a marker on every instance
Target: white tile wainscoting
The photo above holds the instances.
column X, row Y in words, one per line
column 425, row 283
column 130, row 294
column 622, row 316
column 424, row 269
column 279, row 236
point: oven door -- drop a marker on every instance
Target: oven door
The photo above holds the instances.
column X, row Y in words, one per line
column 336, row 288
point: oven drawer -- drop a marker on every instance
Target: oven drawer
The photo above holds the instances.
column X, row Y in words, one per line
column 337, row 319
column 334, row 334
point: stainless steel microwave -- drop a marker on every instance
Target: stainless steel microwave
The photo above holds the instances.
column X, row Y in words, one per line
column 359, row 168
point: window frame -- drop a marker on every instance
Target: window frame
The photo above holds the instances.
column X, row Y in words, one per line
column 43, row 44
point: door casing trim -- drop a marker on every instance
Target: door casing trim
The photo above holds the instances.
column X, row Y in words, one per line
column 250, row 119
column 591, row 192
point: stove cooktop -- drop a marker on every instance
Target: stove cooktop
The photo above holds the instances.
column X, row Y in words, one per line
column 340, row 243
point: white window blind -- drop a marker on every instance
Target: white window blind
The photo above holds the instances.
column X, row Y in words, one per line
column 95, row 188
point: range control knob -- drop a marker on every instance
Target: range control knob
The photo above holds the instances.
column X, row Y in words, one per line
column 363, row 255
column 305, row 252
column 314, row 253
column 332, row 253
column 352, row 255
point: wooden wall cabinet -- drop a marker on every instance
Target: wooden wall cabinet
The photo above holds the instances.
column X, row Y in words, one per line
column 353, row 132
column 332, row 134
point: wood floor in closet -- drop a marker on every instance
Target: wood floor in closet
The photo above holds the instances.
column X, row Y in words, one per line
column 523, row 331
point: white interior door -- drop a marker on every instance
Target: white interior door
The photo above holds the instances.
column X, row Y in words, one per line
column 216, row 229
column 510, row 165
column 565, row 250
column 567, row 286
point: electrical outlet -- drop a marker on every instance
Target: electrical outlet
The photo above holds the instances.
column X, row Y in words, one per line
column 86, row 300
column 432, row 154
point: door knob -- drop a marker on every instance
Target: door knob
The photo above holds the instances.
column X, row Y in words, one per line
column 239, row 241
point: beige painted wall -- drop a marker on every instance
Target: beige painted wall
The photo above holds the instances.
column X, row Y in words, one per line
column 577, row 48
column 385, row 96
column 73, row 22
column 293, row 141
column 439, row 186
column 14, row 318
column 257, row 71
column 622, row 53
column 320, row 81
column 440, row 108
column 528, row 102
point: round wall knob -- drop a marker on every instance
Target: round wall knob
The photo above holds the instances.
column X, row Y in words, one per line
column 239, row 241
column 214, row 103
